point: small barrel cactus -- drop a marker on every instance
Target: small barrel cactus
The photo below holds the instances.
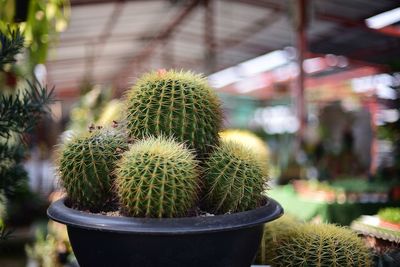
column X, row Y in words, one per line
column 86, row 165
column 273, row 233
column 251, row 141
column 316, row 245
column 178, row 104
column 234, row 179
column 157, row 177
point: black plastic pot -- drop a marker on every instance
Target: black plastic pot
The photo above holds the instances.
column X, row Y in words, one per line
column 225, row 240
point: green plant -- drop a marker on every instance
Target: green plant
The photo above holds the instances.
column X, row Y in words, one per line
column 42, row 21
column 390, row 215
column 44, row 250
column 234, row 179
column 19, row 113
column 173, row 103
column 251, row 141
column 177, row 158
column 51, row 246
column 86, row 166
column 11, row 45
column 94, row 107
column 274, row 232
column 157, row 177
column 319, row 245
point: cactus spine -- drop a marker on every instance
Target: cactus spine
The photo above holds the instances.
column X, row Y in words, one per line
column 86, row 164
column 157, row 177
column 234, row 179
column 251, row 141
column 274, row 232
column 173, row 103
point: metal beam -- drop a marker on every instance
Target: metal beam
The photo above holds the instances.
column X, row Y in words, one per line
column 122, row 76
column 96, row 2
column 243, row 35
column 345, row 22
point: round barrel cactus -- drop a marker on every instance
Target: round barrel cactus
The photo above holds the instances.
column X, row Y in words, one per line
column 234, row 179
column 157, row 177
column 175, row 103
column 250, row 140
column 274, row 232
column 289, row 244
column 86, row 165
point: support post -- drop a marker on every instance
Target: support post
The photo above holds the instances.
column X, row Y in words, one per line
column 209, row 37
column 302, row 50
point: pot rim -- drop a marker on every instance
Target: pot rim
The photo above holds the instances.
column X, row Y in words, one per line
column 59, row 212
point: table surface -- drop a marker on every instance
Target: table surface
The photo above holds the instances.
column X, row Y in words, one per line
column 370, row 225
column 307, row 209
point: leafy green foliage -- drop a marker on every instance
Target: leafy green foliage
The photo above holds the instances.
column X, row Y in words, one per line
column 178, row 104
column 86, row 167
column 390, row 215
column 18, row 114
column 45, row 19
column 4, row 232
column 234, row 179
column 10, row 46
column 12, row 173
column 157, row 177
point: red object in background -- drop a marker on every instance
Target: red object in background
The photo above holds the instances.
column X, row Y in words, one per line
column 395, row 193
column 11, row 79
column 389, row 225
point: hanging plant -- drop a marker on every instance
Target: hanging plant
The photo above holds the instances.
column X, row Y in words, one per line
column 45, row 19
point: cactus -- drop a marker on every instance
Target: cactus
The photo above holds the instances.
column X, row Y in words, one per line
column 234, row 179
column 86, row 163
column 250, row 140
column 318, row 245
column 173, row 103
column 157, row 177
column 274, row 232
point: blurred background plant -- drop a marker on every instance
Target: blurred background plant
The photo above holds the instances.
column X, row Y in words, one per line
column 39, row 20
column 27, row 30
column 20, row 112
column 95, row 106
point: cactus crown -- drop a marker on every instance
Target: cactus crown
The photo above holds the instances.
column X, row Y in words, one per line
column 234, row 179
column 157, row 177
column 175, row 103
column 86, row 163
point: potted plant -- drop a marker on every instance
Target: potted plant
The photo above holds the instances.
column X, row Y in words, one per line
column 161, row 189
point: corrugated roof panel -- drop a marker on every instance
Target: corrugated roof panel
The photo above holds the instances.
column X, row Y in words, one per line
column 243, row 30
